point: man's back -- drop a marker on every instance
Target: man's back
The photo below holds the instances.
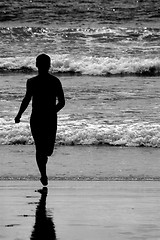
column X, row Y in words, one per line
column 44, row 90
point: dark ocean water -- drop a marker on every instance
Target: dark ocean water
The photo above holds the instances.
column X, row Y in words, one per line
column 79, row 12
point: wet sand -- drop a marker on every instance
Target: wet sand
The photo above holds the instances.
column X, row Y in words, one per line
column 80, row 210
column 82, row 163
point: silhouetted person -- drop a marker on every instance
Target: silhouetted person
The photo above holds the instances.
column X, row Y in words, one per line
column 44, row 228
column 47, row 96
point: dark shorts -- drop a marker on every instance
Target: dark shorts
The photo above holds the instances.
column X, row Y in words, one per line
column 44, row 133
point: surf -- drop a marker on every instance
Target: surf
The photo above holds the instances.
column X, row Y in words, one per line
column 84, row 65
column 85, row 133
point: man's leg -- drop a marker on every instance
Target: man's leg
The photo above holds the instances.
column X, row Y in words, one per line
column 39, row 139
column 42, row 162
column 44, row 134
column 50, row 138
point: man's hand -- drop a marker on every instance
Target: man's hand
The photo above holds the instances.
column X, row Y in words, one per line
column 17, row 119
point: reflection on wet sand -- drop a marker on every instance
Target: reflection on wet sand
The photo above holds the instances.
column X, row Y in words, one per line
column 44, row 227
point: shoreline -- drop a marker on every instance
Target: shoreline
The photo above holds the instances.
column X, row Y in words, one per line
column 82, row 163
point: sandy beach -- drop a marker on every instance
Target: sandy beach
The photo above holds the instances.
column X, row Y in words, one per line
column 104, row 175
column 82, row 163
column 118, row 199
column 79, row 210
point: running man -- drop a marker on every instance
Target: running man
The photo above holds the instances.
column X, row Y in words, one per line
column 47, row 96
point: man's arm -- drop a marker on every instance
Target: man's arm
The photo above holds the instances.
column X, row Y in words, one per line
column 60, row 97
column 24, row 103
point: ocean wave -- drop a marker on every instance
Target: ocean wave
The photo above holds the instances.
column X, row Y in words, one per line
column 95, row 66
column 116, row 33
column 86, row 133
column 87, row 51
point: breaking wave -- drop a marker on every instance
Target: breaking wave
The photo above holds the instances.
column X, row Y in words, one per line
column 96, row 66
column 88, row 51
column 86, row 133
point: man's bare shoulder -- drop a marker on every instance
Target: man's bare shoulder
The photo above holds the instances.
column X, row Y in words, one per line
column 32, row 79
column 55, row 81
column 54, row 78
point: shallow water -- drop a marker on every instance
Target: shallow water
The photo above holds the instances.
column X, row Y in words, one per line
column 121, row 111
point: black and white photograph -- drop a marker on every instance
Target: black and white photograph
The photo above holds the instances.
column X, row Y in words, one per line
column 79, row 120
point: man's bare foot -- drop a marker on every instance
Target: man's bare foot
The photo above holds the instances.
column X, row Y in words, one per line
column 44, row 180
column 43, row 190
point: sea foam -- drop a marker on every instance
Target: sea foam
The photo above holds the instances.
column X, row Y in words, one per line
column 97, row 66
column 83, row 132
